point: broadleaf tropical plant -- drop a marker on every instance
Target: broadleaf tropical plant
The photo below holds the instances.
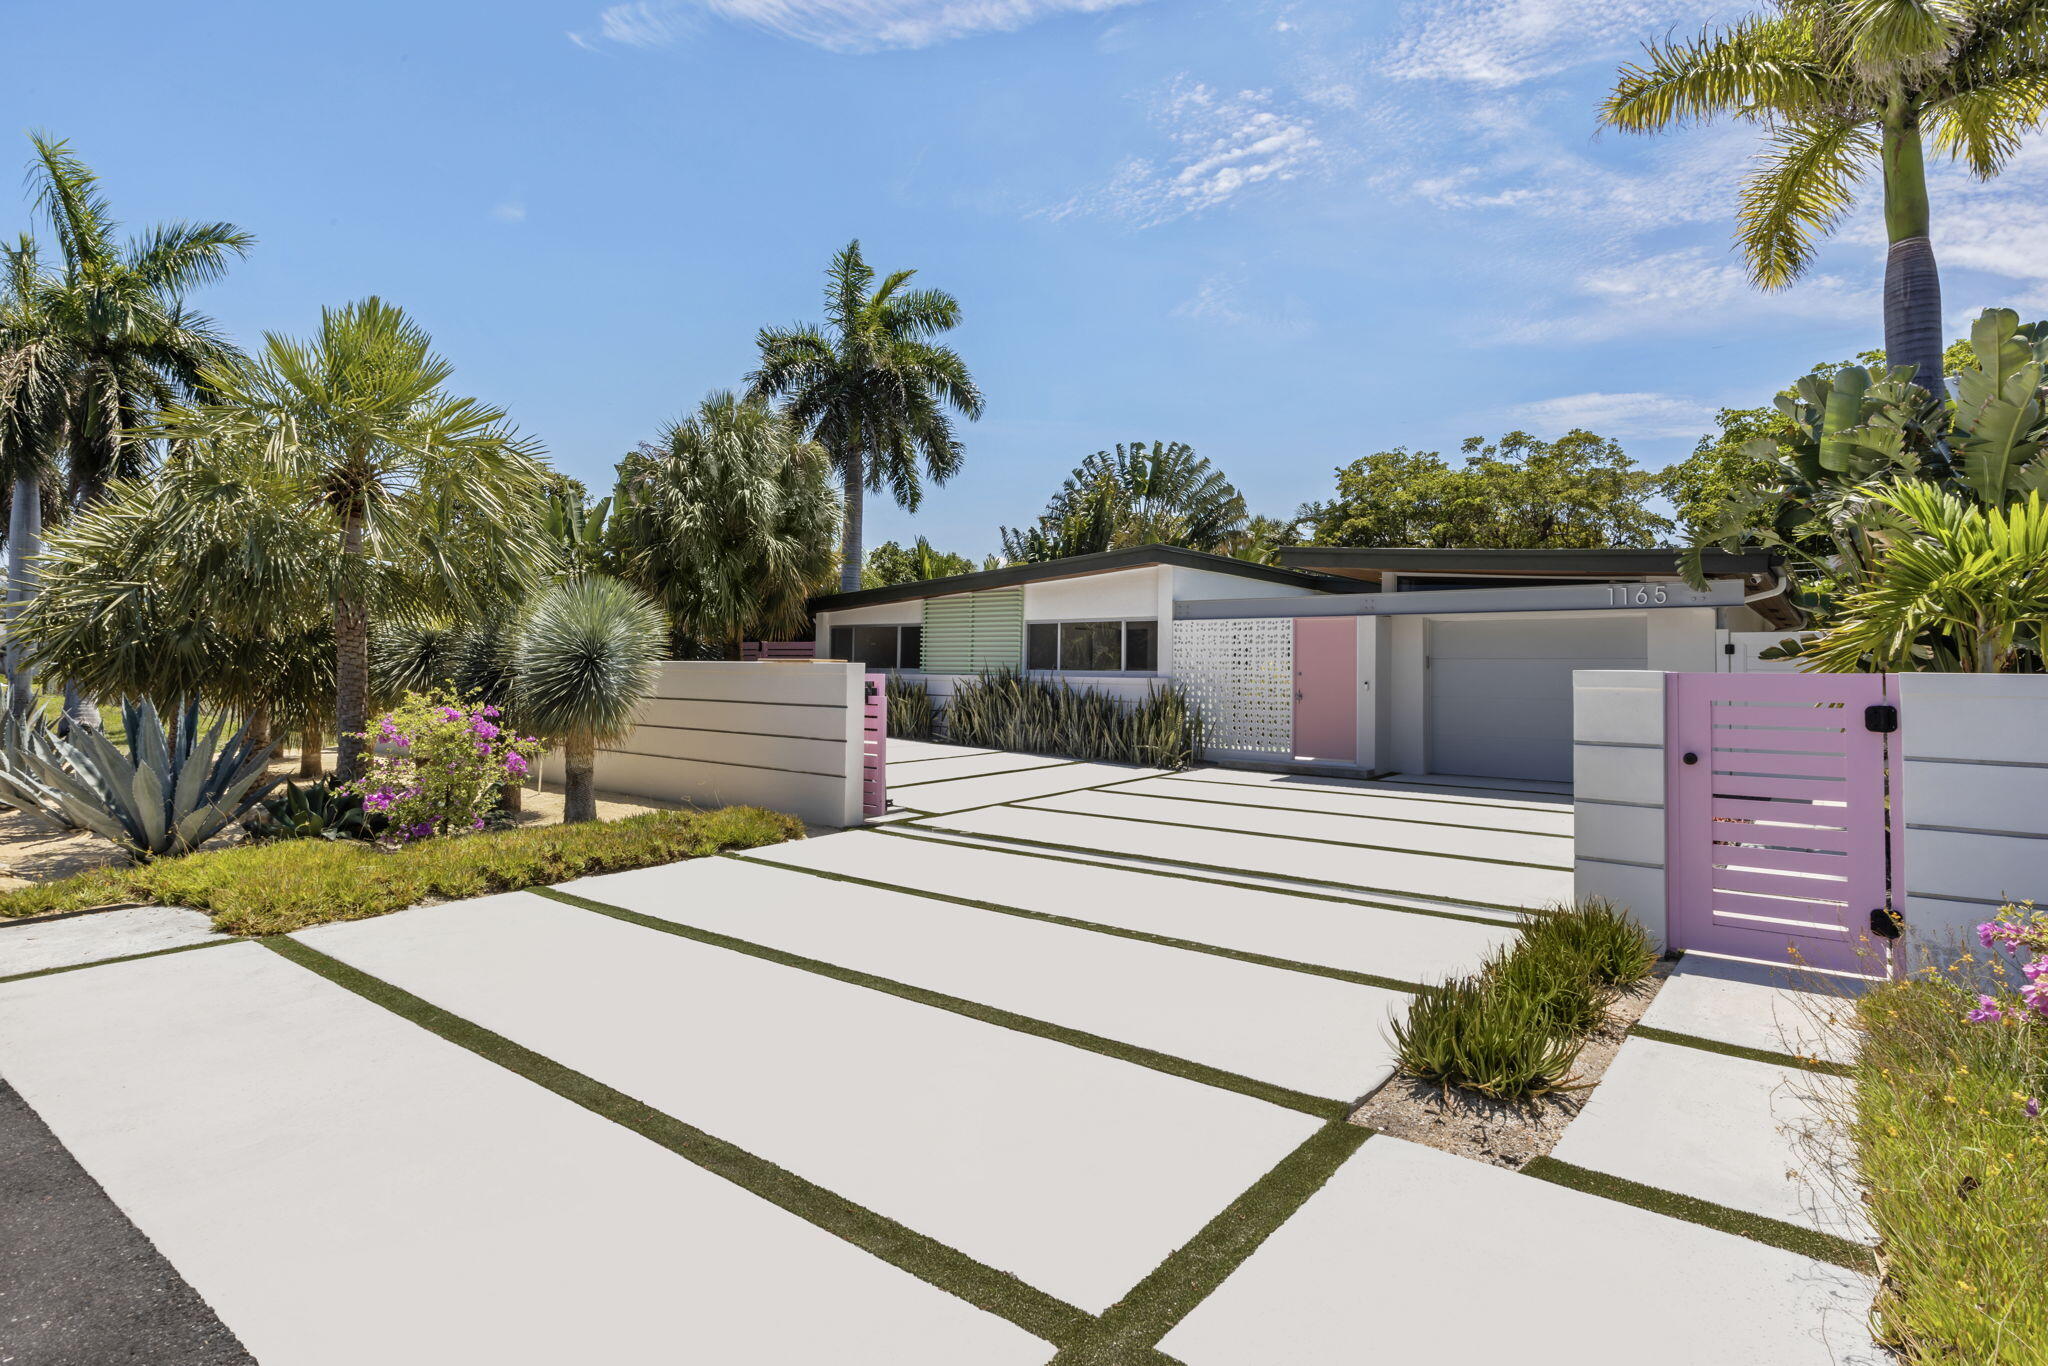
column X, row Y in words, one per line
column 1162, row 494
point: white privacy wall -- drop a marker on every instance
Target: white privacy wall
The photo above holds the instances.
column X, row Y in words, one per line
column 1975, row 796
column 1618, row 791
column 781, row 734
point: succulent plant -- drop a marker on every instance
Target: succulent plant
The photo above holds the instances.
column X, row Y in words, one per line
column 321, row 810
column 171, row 792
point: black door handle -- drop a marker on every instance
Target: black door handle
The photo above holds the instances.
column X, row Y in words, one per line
column 1692, row 758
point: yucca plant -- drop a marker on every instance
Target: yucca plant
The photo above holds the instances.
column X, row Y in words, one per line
column 168, row 794
column 586, row 658
column 912, row 714
column 1009, row 710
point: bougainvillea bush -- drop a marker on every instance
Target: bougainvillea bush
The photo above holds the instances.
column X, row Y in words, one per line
column 436, row 764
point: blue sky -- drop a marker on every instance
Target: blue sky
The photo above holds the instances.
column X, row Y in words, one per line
column 1286, row 233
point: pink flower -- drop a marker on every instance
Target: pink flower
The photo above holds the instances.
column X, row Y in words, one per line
column 477, row 824
column 1987, row 1010
column 481, row 727
column 490, row 711
column 2034, row 1108
column 515, row 764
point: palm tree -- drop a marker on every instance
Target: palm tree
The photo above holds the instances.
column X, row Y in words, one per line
column 1161, row 495
column 875, row 391
column 414, row 492
column 587, row 655
column 728, row 521
column 123, row 344
column 1841, row 88
column 35, row 360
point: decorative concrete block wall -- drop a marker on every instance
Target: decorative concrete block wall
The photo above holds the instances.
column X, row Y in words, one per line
column 1618, row 791
column 1974, row 792
column 781, row 734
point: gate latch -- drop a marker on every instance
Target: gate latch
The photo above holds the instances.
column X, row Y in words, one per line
column 1883, row 718
column 1884, row 923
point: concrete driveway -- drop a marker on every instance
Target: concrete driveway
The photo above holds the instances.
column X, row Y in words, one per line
column 1053, row 1066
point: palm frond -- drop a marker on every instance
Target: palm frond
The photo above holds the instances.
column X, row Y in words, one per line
column 1806, row 183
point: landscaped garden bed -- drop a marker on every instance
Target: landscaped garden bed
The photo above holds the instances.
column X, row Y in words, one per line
column 276, row 887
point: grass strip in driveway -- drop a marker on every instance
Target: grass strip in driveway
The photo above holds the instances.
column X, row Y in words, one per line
column 1320, row 1107
column 931, row 823
column 1135, row 1324
column 985, row 1287
column 1736, row 1050
column 1365, row 979
column 1318, row 811
column 999, row 773
column 1807, row 1242
column 121, row 958
column 1024, row 804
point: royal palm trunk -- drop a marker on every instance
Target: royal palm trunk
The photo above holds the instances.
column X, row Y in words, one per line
column 850, row 483
column 24, row 543
column 1912, row 282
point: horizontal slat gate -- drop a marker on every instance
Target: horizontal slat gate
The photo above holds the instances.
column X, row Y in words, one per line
column 874, row 756
column 1779, row 811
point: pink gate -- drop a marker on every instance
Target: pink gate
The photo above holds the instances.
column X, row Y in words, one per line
column 1780, row 842
column 874, row 786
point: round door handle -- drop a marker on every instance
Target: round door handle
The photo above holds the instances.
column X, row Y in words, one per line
column 1692, row 758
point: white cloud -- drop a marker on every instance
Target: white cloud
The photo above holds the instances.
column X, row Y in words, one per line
column 835, row 25
column 511, row 211
column 1220, row 299
column 1680, row 291
column 1509, row 42
column 1219, row 146
column 1646, row 415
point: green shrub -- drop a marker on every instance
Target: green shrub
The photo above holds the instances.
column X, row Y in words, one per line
column 287, row 885
column 1467, row 1033
column 912, row 715
column 1009, row 710
column 1955, row 1171
column 1551, row 977
column 1600, row 935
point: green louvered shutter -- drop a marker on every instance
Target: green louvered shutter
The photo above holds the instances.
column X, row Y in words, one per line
column 970, row 632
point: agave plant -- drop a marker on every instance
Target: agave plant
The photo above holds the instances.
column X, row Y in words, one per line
column 322, row 810
column 170, row 793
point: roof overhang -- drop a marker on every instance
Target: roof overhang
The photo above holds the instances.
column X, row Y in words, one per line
column 1370, row 563
column 1082, row 566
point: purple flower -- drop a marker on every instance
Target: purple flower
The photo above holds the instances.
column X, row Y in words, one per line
column 420, row 831
column 490, row 711
column 483, row 728
column 449, row 713
column 515, row 764
column 477, row 824
column 2034, row 1108
column 1986, row 1011
column 1987, row 933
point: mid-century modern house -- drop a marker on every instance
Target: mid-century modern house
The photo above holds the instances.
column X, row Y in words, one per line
column 1418, row 661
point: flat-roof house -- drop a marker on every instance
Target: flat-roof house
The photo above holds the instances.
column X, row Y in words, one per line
column 1419, row 661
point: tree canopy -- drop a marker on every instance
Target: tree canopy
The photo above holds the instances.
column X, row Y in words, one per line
column 1580, row 491
column 1162, row 494
column 890, row 563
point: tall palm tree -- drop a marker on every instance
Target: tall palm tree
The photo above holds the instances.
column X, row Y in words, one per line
column 873, row 389
column 586, row 657
column 122, row 344
column 412, row 488
column 728, row 521
column 1841, row 88
column 35, row 360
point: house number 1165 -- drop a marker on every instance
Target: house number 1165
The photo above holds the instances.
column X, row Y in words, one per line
column 1636, row 594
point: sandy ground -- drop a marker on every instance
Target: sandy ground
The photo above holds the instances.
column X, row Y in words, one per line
column 32, row 851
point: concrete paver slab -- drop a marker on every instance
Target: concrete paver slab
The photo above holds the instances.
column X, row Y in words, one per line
column 920, row 771
column 35, row 946
column 1039, row 1158
column 1411, row 1255
column 909, row 751
column 1446, row 840
column 1449, row 879
column 1364, row 801
column 1411, row 948
column 1739, row 1133
column 1759, row 1005
column 1314, row 1034
column 344, row 1187
column 1013, row 787
column 1383, row 787
column 1457, row 782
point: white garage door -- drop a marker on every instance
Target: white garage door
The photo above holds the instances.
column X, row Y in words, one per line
column 1500, row 691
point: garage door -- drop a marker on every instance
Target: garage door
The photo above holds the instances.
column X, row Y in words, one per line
column 1500, row 692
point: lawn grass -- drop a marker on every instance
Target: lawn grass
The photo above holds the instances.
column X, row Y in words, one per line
column 1957, row 1175
column 257, row 889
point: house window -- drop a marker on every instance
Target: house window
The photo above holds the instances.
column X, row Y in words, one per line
column 880, row 647
column 1092, row 646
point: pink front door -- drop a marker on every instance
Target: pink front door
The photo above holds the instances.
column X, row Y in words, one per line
column 1326, row 689
column 1780, row 790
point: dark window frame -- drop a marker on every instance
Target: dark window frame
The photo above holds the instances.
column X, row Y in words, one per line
column 843, row 644
column 1059, row 627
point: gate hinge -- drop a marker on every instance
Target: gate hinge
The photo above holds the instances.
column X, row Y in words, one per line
column 1883, row 718
column 1885, row 923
